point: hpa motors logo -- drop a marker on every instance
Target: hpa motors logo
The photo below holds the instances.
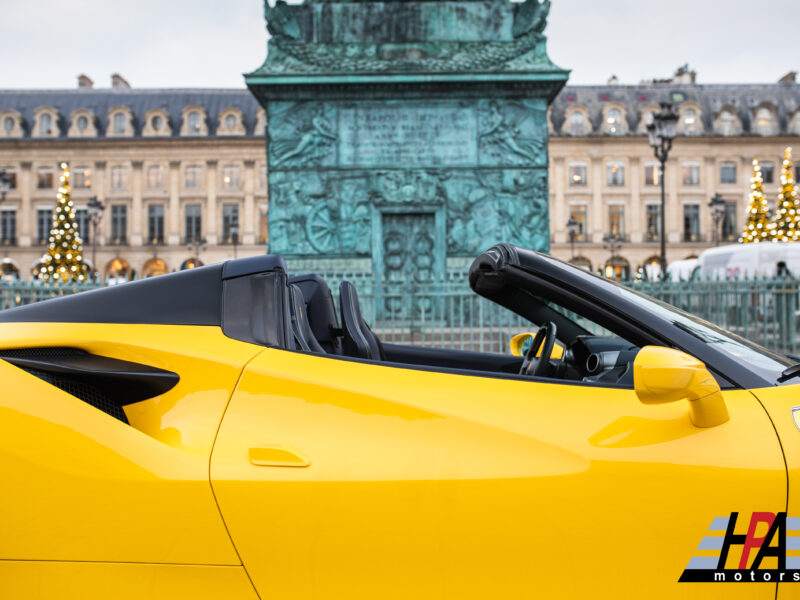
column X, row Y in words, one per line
column 758, row 555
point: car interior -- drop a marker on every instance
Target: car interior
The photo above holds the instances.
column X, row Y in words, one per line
column 317, row 327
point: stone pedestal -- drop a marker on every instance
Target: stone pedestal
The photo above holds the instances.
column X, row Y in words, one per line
column 403, row 134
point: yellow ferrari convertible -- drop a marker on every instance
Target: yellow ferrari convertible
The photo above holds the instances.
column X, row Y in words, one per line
column 227, row 433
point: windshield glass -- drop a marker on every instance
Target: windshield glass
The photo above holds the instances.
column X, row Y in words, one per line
column 754, row 357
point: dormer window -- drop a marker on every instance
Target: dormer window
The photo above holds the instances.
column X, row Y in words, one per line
column 727, row 123
column 83, row 123
column 690, row 122
column 194, row 123
column 157, row 122
column 8, row 124
column 614, row 121
column 764, row 121
column 577, row 123
column 230, row 122
column 46, row 124
column 119, row 124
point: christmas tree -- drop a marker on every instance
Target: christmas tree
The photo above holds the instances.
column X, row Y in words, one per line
column 64, row 260
column 787, row 215
column 757, row 228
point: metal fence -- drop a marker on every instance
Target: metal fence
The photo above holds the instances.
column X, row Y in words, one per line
column 17, row 293
column 450, row 315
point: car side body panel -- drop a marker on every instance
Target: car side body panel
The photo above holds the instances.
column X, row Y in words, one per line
column 51, row 580
column 80, row 485
column 433, row 484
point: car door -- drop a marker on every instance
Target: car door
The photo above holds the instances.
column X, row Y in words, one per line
column 347, row 479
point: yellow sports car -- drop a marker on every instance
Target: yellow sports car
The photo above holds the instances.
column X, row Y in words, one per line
column 226, row 433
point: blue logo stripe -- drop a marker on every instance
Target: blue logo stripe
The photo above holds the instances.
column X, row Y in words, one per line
column 712, row 543
column 793, row 523
column 705, row 562
column 719, row 524
column 792, row 542
column 793, row 562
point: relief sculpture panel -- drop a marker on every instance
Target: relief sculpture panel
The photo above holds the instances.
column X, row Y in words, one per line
column 333, row 165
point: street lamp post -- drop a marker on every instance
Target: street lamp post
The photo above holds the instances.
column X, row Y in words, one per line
column 572, row 229
column 661, row 129
column 613, row 243
column 95, row 209
column 195, row 246
column 235, row 236
column 717, row 206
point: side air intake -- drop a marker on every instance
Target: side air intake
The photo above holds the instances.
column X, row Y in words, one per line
column 108, row 384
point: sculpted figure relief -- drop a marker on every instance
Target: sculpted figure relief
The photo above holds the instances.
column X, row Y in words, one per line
column 302, row 135
column 510, row 135
column 530, row 15
column 281, row 22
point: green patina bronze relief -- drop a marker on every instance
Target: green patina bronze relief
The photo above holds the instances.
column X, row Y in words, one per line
column 406, row 133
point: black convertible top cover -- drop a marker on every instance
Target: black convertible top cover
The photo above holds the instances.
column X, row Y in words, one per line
column 191, row 297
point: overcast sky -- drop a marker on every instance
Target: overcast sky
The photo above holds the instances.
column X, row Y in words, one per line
column 210, row 43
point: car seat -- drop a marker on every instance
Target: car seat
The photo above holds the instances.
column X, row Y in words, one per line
column 321, row 311
column 301, row 328
column 359, row 339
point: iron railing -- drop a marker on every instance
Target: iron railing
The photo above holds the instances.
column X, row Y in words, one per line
column 450, row 315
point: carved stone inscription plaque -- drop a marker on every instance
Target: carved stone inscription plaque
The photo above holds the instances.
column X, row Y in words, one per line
column 389, row 135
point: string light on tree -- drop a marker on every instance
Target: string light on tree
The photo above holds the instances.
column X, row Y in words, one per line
column 757, row 227
column 64, row 259
column 787, row 215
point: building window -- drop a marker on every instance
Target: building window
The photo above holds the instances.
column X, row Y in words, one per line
column 230, row 122
column 119, row 224
column 764, row 121
column 616, row 220
column 156, row 177
column 8, row 124
column 579, row 214
column 263, row 231
column 194, row 178
column 193, row 122
column 614, row 121
column 730, row 230
column 120, row 123
column 83, row 123
column 44, row 221
column 768, row 172
column 577, row 174
column 727, row 123
column 577, row 123
column 690, row 122
column 11, row 177
column 82, row 221
column 615, row 174
column 156, row 122
column 45, row 124
column 727, row 172
column 155, row 224
column 8, row 227
column 194, row 223
column 690, row 173
column 230, row 223
column 691, row 222
column 651, row 171
column 653, row 223
column 119, row 178
column 230, row 178
column 82, row 178
column 44, row 179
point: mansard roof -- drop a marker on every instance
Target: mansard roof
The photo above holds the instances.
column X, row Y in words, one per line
column 139, row 101
column 741, row 98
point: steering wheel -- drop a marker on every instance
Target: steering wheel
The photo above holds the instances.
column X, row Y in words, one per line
column 546, row 339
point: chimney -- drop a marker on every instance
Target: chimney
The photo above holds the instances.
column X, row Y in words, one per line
column 613, row 80
column 790, row 77
column 118, row 82
column 85, row 82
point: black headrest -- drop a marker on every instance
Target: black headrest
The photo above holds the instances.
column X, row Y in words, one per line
column 321, row 311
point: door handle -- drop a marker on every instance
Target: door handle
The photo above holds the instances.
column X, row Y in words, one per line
column 278, row 456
